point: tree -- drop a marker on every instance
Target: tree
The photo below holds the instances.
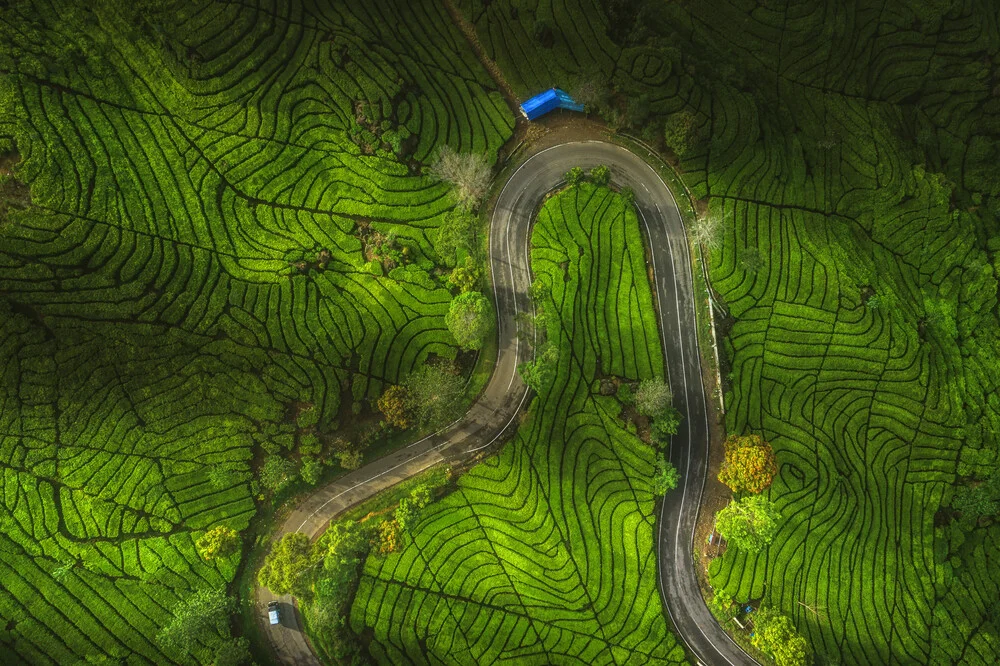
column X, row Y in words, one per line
column 666, row 425
column 600, row 175
column 543, row 33
column 722, row 605
column 539, row 290
column 288, row 566
column 628, row 194
column 706, row 231
column 434, row 393
column 227, row 475
column 538, row 373
column 312, row 470
column 591, row 91
column 750, row 260
column 637, row 110
column 420, row 496
column 652, row 397
column 749, row 464
column 344, row 542
column 350, row 460
column 470, row 319
column 469, row 175
column 63, row 569
column 977, row 501
column 202, row 612
column 392, row 404
column 388, row 540
column 405, row 514
column 465, row 277
column 749, row 523
column 574, row 176
column 681, row 132
column 455, row 232
column 665, row 476
column 233, row 652
column 219, row 541
column 775, row 634
column 276, row 473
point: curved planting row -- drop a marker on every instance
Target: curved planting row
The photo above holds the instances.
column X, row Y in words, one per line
column 199, row 266
column 544, row 553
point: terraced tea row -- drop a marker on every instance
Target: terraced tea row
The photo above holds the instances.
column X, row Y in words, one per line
column 201, row 267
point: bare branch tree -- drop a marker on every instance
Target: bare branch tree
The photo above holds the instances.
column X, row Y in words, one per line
column 469, row 175
column 707, row 231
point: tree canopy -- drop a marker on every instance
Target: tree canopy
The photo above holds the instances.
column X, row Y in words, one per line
column 219, row 541
column 652, row 397
column 286, row 568
column 665, row 476
column 540, row 371
column 194, row 617
column 749, row 523
column 470, row 319
column 433, row 393
column 749, row 464
column 392, row 404
column 455, row 233
column 468, row 174
column 776, row 635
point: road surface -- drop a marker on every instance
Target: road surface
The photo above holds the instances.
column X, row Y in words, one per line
column 494, row 415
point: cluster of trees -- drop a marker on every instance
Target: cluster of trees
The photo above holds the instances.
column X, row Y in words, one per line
column 470, row 316
column 533, row 330
column 775, row 635
column 202, row 618
column 750, row 464
column 324, row 571
column 652, row 398
column 681, row 131
column 750, row 521
column 599, row 175
column 470, row 319
column 427, row 397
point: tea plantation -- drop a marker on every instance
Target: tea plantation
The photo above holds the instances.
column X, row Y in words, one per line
column 545, row 552
column 197, row 281
column 850, row 152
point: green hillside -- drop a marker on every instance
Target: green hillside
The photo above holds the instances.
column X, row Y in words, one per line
column 217, row 250
column 194, row 285
column 544, row 554
column 850, row 152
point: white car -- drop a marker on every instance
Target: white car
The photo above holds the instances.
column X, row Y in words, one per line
column 274, row 612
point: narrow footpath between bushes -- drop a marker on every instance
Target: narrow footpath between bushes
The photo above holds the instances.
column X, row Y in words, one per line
column 493, row 418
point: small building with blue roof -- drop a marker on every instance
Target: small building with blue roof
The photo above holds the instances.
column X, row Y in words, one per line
column 551, row 99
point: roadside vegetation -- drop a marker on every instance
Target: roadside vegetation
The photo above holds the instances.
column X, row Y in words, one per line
column 554, row 559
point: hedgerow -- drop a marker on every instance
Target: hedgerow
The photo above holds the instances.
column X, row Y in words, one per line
column 545, row 552
column 191, row 280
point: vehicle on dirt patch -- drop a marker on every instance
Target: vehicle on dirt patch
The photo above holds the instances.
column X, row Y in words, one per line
column 274, row 612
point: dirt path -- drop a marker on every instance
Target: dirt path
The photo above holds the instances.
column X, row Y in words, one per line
column 472, row 37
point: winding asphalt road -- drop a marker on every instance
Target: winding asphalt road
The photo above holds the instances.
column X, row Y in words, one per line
column 494, row 415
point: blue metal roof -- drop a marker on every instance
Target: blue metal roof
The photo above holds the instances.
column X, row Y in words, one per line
column 551, row 99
